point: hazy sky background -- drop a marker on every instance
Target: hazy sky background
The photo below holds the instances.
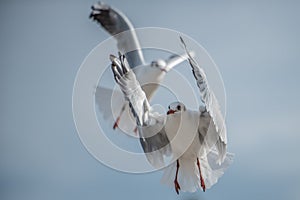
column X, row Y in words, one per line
column 256, row 46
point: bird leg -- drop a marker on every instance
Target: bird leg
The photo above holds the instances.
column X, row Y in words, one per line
column 201, row 178
column 177, row 186
column 135, row 130
column 116, row 124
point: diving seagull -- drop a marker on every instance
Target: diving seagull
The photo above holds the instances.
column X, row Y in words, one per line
column 149, row 75
column 206, row 158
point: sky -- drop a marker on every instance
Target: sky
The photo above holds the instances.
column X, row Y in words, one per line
column 255, row 44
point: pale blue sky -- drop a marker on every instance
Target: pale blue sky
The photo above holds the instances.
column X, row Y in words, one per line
column 43, row 43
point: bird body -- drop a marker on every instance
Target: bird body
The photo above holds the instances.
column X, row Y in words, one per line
column 191, row 125
column 196, row 140
column 185, row 125
column 192, row 138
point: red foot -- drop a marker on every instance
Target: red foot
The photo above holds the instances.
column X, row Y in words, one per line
column 116, row 123
column 202, row 183
column 177, row 186
column 201, row 178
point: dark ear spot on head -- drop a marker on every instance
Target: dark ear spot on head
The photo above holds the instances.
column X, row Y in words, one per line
column 178, row 107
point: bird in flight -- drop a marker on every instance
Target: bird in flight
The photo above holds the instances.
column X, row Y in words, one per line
column 149, row 75
column 196, row 140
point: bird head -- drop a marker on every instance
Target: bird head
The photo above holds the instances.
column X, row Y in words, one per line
column 160, row 64
column 176, row 107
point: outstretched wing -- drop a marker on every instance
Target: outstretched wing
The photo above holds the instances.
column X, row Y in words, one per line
column 119, row 26
column 153, row 138
column 218, row 130
column 131, row 89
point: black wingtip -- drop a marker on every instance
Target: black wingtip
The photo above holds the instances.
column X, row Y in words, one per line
column 119, row 53
column 91, row 15
column 112, row 57
column 182, row 41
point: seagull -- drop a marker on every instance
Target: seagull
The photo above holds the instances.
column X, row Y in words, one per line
column 149, row 75
column 204, row 160
column 120, row 27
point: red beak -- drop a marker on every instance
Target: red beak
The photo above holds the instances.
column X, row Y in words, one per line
column 171, row 111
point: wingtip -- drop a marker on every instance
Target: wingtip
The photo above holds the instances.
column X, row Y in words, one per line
column 181, row 40
column 91, row 15
column 183, row 43
column 100, row 6
column 112, row 57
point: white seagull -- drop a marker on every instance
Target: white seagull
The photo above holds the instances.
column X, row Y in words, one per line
column 148, row 75
column 204, row 160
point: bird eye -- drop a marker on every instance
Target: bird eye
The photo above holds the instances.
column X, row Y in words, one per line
column 178, row 107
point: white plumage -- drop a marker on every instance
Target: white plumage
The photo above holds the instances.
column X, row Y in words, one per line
column 196, row 140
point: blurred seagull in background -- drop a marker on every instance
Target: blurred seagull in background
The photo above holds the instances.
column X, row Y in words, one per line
column 196, row 140
column 148, row 75
column 119, row 26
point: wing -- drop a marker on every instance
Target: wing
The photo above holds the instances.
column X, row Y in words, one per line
column 153, row 138
column 131, row 89
column 209, row 136
column 176, row 60
column 218, row 130
column 103, row 99
column 155, row 142
column 119, row 26
column 212, row 171
column 110, row 103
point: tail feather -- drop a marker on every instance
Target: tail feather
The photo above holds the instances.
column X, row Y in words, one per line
column 189, row 177
column 212, row 169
